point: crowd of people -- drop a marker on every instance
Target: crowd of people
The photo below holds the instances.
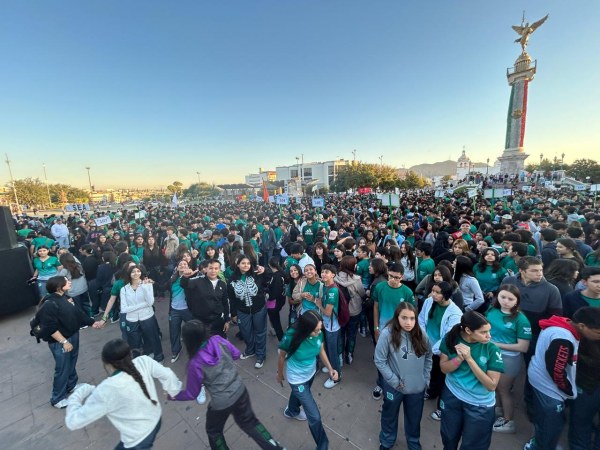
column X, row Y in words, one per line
column 459, row 297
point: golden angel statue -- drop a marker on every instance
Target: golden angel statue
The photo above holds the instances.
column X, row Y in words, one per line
column 526, row 30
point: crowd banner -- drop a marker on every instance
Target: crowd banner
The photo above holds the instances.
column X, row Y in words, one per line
column 74, row 207
column 282, row 199
column 104, row 220
column 318, row 202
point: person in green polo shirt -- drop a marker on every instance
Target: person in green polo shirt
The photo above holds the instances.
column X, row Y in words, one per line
column 298, row 352
column 473, row 366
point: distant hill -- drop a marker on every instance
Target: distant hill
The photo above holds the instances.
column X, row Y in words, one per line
column 435, row 169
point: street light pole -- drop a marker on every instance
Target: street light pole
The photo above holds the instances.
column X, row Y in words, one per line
column 487, row 167
column 198, row 173
column 12, row 181
column 562, row 161
column 89, row 178
column 47, row 187
column 381, row 160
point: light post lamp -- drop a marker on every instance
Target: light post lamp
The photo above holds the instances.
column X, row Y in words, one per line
column 89, row 178
column 47, row 187
column 562, row 161
column 381, row 160
column 487, row 167
column 541, row 158
column 555, row 163
column 14, row 186
column 298, row 166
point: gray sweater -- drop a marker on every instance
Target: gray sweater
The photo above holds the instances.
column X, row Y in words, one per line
column 401, row 368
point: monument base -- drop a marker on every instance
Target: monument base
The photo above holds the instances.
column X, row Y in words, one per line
column 512, row 161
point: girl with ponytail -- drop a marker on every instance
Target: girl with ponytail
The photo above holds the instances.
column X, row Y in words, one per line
column 127, row 397
column 473, row 365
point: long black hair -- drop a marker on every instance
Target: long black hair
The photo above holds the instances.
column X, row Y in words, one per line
column 447, row 290
column 304, row 326
column 464, row 266
column 194, row 334
column 118, row 354
column 417, row 339
column 471, row 320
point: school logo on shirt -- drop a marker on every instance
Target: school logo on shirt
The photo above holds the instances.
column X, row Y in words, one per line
column 508, row 325
column 526, row 330
column 498, row 357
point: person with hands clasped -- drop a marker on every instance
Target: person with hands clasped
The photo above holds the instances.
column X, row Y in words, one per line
column 403, row 356
column 301, row 344
column 59, row 321
column 473, row 366
column 137, row 298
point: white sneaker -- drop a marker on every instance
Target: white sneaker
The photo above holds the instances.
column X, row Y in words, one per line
column 259, row 363
column 201, row 399
column 329, row 383
column 436, row 415
column 377, row 393
column 62, row 404
column 325, row 370
column 300, row 416
column 503, row 425
column 174, row 358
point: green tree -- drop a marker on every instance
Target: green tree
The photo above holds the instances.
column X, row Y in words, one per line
column 176, row 187
column 583, row 168
column 30, row 191
column 413, row 180
column 365, row 175
column 200, row 190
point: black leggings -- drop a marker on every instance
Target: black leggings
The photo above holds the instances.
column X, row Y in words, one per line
column 245, row 419
column 275, row 320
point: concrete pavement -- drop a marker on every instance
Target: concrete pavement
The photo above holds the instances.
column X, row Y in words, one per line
column 350, row 415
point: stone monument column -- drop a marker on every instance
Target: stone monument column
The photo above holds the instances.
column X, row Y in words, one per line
column 513, row 158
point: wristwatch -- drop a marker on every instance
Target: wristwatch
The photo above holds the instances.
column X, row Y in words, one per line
column 63, row 342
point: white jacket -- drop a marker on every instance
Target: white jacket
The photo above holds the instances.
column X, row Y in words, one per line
column 137, row 304
column 450, row 318
column 121, row 399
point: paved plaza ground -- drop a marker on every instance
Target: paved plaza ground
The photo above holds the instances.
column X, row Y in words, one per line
column 350, row 415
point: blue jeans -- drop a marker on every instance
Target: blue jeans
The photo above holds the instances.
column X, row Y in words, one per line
column 146, row 444
column 413, row 410
column 254, row 331
column 301, row 396
column 65, row 373
column 146, row 330
column 548, row 420
column 41, row 284
column 332, row 348
column 581, row 427
column 176, row 318
column 462, row 420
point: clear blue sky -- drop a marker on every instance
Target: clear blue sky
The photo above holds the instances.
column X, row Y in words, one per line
column 148, row 92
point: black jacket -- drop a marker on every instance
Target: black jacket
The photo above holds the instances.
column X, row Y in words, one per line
column 248, row 296
column 205, row 302
column 59, row 314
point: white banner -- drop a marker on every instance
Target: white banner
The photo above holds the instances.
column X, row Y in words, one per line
column 318, row 202
column 439, row 194
column 595, row 188
column 472, row 193
column 580, row 187
column 104, row 220
column 282, row 199
column 77, row 207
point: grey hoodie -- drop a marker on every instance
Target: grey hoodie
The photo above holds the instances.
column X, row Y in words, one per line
column 400, row 367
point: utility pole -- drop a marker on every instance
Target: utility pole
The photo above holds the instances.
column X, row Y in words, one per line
column 381, row 160
column 89, row 178
column 354, row 155
column 47, row 187
column 13, row 183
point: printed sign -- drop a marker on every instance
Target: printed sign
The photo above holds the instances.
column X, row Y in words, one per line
column 472, row 193
column 595, row 188
column 318, row 202
column 580, row 187
column 282, row 199
column 104, row 220
column 77, row 207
